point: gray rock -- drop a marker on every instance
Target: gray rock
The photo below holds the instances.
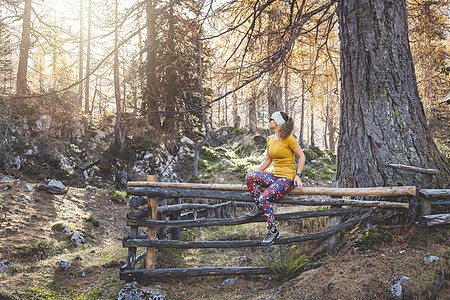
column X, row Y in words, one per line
column 396, row 288
column 91, row 188
column 230, row 281
column 186, row 140
column 4, row 265
column 130, row 291
column 64, row 265
column 242, row 259
column 4, row 177
column 56, row 184
column 77, row 238
column 67, row 229
column 430, row 259
column 121, row 180
column 65, row 165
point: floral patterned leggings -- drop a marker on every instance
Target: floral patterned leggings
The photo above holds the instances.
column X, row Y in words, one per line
column 275, row 188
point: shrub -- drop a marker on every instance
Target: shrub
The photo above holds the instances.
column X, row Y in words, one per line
column 43, row 249
column 370, row 239
column 117, row 196
column 93, row 221
column 279, row 266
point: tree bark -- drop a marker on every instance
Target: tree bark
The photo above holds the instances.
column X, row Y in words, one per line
column 21, row 84
column 302, row 118
column 312, row 143
column 170, row 120
column 151, row 92
column 80, row 63
column 382, row 118
column 118, row 130
column 88, row 62
column 202, row 101
column 252, row 118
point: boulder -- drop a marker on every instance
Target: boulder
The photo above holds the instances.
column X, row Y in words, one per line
column 121, row 180
column 64, row 265
column 77, row 238
column 131, row 291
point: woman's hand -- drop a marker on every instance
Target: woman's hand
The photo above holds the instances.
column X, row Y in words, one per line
column 298, row 182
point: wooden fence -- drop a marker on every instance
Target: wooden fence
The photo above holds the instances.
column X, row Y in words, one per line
column 147, row 217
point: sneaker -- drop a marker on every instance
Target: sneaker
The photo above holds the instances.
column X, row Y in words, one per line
column 270, row 238
column 255, row 212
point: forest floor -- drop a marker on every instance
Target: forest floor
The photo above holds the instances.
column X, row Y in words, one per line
column 32, row 237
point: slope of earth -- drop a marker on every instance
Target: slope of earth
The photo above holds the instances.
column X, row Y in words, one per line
column 33, row 239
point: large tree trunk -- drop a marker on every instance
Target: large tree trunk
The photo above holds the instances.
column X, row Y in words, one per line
column 382, row 117
column 21, row 84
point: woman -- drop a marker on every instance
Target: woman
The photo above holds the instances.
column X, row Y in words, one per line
column 281, row 148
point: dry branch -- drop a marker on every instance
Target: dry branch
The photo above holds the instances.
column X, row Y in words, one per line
column 413, row 169
column 212, row 271
column 432, row 220
column 241, row 220
column 439, row 194
column 241, row 243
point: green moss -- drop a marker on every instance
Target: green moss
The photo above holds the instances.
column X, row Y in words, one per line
column 371, row 239
column 117, row 196
column 93, row 221
column 208, row 154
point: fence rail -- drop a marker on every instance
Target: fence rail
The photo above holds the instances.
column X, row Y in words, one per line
column 358, row 209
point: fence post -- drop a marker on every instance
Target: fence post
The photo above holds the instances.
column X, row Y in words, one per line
column 334, row 221
column 131, row 258
column 175, row 232
column 151, row 234
column 425, row 205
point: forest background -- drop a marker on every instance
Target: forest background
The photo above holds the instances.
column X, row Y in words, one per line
column 89, row 88
column 168, row 69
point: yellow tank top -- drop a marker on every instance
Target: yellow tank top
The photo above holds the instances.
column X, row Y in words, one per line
column 282, row 155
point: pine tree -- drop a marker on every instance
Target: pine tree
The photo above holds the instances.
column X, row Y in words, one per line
column 6, row 69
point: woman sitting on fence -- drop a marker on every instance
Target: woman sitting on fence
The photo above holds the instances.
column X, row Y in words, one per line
column 281, row 148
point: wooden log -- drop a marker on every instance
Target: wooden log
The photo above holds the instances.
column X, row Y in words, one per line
column 443, row 194
column 152, row 214
column 334, row 221
column 138, row 258
column 175, row 232
column 432, row 220
column 186, row 206
column 131, row 257
column 211, row 271
column 413, row 169
column 246, row 197
column 242, row 243
column 242, row 220
column 373, row 191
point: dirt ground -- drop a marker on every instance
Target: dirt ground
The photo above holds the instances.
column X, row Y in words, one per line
column 32, row 236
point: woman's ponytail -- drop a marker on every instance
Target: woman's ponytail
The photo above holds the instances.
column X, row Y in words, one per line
column 288, row 127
